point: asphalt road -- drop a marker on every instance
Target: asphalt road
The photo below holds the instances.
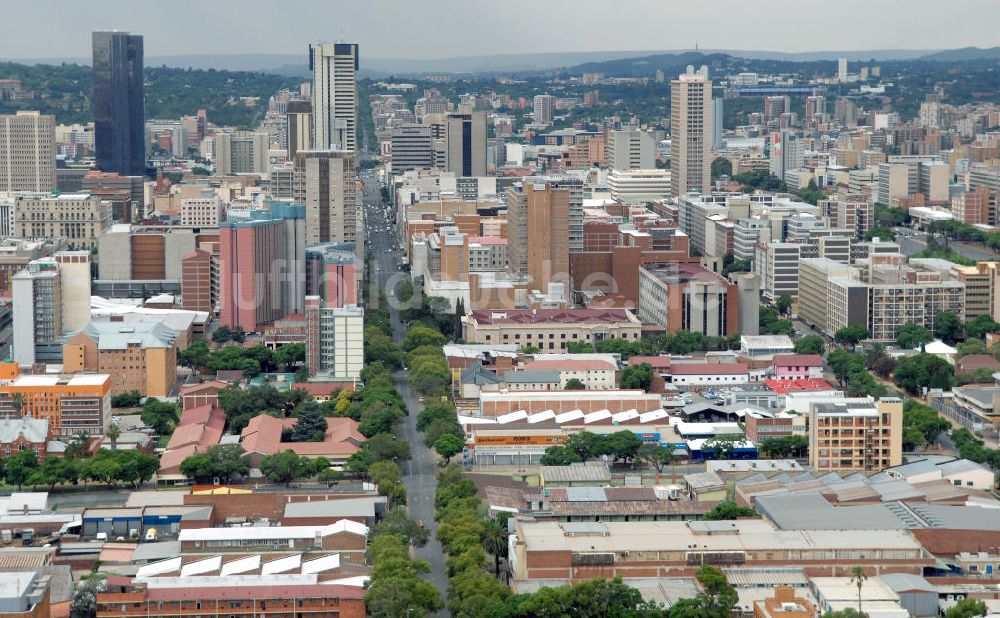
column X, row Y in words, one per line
column 914, row 244
column 420, row 473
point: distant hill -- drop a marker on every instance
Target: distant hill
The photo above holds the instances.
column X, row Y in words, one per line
column 964, row 54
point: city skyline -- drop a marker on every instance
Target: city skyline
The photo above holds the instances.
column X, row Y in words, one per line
column 390, row 33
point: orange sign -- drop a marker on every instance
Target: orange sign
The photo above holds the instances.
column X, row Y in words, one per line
column 519, row 440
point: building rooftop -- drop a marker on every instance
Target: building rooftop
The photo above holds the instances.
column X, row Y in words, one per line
column 690, row 369
column 272, row 533
column 120, row 335
column 545, row 316
column 531, row 376
column 577, row 472
column 798, row 360
column 33, row 429
column 263, row 435
column 570, row 365
column 78, row 379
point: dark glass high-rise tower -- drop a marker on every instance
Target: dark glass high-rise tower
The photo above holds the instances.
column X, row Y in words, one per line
column 118, row 103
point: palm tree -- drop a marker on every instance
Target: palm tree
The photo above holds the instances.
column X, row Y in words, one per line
column 496, row 541
column 17, row 401
column 858, row 578
column 114, row 432
column 79, row 444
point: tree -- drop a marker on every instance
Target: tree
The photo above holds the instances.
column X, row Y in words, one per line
column 397, row 522
column 858, row 578
column 311, row 425
column 195, row 355
column 222, row 461
column 966, row 608
column 579, row 347
column 722, row 447
column 783, row 304
column 656, row 456
column 128, row 399
column 784, row 446
column 595, row 598
column 114, row 432
column 20, row 465
column 495, row 542
column 721, row 166
column 290, row 356
column 637, row 376
column 559, row 456
column 422, row 335
column 717, row 597
column 729, row 510
column 284, row 467
column 574, row 384
column 947, row 327
column 810, row 344
column 847, row 612
column 979, row 326
column 919, row 371
column 160, row 416
column 447, row 446
column 850, row 335
column 84, row 603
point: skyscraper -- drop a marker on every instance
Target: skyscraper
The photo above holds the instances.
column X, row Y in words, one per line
column 841, row 70
column 27, row 152
column 325, row 184
column 543, row 105
column 298, row 117
column 465, row 151
column 691, row 132
column 334, row 95
column 118, row 103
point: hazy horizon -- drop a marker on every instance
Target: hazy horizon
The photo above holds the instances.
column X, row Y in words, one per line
column 393, row 29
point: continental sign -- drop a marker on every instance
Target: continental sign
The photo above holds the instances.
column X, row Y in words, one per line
column 519, row 440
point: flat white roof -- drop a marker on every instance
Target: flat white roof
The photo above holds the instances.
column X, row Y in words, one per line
column 81, row 379
column 271, row 532
column 594, row 395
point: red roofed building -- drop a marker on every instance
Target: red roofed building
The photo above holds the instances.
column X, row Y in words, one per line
column 223, row 601
column 783, row 387
column 200, row 394
column 199, row 429
column 262, row 437
column 550, row 330
column 797, row 366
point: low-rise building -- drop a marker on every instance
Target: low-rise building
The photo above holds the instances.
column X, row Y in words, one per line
column 595, row 374
column 263, row 436
column 550, row 329
column 70, row 403
column 24, row 434
column 797, row 366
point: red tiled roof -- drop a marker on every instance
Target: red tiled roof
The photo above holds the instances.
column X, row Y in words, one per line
column 322, row 388
column 540, row 316
column 263, row 435
column 226, row 593
column 798, row 360
column 783, row 387
column 568, row 365
column 656, row 362
column 694, row 369
column 972, row 362
column 212, row 386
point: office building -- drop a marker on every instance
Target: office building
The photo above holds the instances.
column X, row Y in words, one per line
column 334, row 96
column 27, row 152
column 201, row 211
column 199, row 281
column 138, row 355
column 465, row 143
column 905, row 176
column 814, row 289
column 50, row 297
column 691, row 132
column 544, row 106
column 815, row 108
column 241, row 152
column 718, row 116
column 647, row 185
column 631, row 150
column 70, row 403
column 842, row 70
column 299, row 127
column 787, row 153
column 332, row 274
column 118, row 103
column 334, row 340
column 680, row 296
column 80, row 218
column 412, row 148
column 138, row 253
column 856, row 436
column 550, row 330
column 546, row 225
column 110, row 186
column 325, row 184
column 262, row 266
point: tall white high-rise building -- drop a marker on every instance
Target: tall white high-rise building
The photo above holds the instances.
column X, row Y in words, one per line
column 841, row 70
column 325, row 184
column 544, row 106
column 691, row 132
column 334, row 95
column 27, row 152
column 631, row 150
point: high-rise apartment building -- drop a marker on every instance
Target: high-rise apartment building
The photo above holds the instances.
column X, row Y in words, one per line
column 856, row 435
column 241, row 152
column 544, row 107
column 119, row 103
column 334, row 95
column 691, row 132
column 546, row 225
column 27, row 152
column 842, row 70
column 334, row 340
column 631, row 150
column 465, row 143
column 325, row 184
column 262, row 266
column 678, row 296
column 787, row 153
column 299, row 127
column 815, row 106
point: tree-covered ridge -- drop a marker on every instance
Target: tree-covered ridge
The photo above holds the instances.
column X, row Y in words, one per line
column 237, row 98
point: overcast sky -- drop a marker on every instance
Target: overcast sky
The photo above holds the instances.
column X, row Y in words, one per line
column 449, row 28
